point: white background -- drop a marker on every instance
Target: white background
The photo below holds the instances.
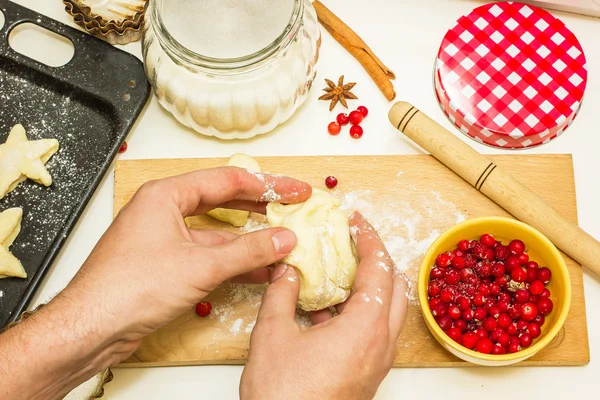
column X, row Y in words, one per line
column 406, row 35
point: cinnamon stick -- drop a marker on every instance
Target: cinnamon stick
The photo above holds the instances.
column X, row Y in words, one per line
column 353, row 43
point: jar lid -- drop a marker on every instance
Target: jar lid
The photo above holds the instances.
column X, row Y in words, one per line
column 510, row 75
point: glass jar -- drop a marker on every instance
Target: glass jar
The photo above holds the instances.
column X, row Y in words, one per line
column 232, row 69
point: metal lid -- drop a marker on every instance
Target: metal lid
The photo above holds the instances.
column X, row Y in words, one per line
column 510, row 75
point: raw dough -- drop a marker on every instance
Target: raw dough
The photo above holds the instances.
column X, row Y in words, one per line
column 236, row 217
column 325, row 256
column 21, row 159
column 10, row 226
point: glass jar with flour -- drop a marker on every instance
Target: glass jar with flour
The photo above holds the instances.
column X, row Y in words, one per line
column 232, row 69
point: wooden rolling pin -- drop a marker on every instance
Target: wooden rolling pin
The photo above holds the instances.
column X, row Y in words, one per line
column 496, row 184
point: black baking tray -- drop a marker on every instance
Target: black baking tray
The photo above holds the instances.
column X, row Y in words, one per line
column 89, row 105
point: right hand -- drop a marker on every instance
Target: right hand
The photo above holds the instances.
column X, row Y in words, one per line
column 341, row 357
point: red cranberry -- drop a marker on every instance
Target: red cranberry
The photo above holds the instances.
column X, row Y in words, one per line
column 498, row 269
column 515, row 311
column 539, row 319
column 123, row 149
column 479, row 300
column 534, row 330
column 468, row 315
column 502, row 306
column 434, row 288
column 524, row 258
column 455, row 334
column 487, row 240
column 497, row 349
column 502, row 253
column 544, row 274
column 464, row 245
column 447, row 295
column 505, row 297
column 525, row 340
column 436, row 273
column 461, row 324
column 463, row 303
column 479, row 314
column 355, row 117
column 532, row 265
column 479, row 250
column 203, row 308
column 454, row 312
column 342, row 119
column 513, row 347
column 529, row 311
column 469, row 340
column 512, row 329
column 470, row 262
column 503, row 339
column 534, row 299
column 466, row 274
column 356, row 131
column 331, row 182
column 363, row 110
column 434, row 302
column 443, row 260
column 501, row 281
column 531, row 275
column 522, row 325
column 484, row 346
column 458, row 253
column 494, row 311
column 451, row 277
column 483, row 289
column 489, row 324
column 483, row 269
column 490, row 254
column 516, row 247
column 511, row 263
column 458, row 262
column 522, row 296
column 504, row 320
column 489, row 303
column 496, row 334
column 481, row 333
column 495, row 290
column 544, row 306
column 545, row 293
column 334, row 128
column 518, row 275
column 445, row 322
column 440, row 310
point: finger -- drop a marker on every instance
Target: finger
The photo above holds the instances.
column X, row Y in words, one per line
column 373, row 284
column 318, row 317
column 340, row 307
column 398, row 307
column 278, row 308
column 211, row 237
column 248, row 252
column 196, row 192
column 252, row 206
column 256, row 277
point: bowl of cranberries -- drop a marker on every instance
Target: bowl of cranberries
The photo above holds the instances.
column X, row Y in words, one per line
column 494, row 291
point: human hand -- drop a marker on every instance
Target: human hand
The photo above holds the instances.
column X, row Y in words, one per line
column 341, row 357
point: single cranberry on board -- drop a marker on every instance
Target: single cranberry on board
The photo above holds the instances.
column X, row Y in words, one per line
column 342, row 119
column 355, row 117
column 331, row 182
column 203, row 308
column 356, row 131
column 123, row 147
column 334, row 128
column 363, row 110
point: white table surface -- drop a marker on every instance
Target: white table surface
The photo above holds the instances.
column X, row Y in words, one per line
column 406, row 35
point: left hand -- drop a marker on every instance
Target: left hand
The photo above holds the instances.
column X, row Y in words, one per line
column 147, row 269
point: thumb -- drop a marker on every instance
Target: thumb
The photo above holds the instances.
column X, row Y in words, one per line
column 253, row 250
column 279, row 301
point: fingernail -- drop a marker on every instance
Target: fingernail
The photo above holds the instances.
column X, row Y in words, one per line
column 278, row 271
column 284, row 241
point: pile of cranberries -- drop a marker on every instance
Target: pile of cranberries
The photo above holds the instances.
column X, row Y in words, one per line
column 354, row 118
column 490, row 297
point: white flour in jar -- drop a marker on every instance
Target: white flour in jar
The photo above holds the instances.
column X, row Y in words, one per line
column 226, row 28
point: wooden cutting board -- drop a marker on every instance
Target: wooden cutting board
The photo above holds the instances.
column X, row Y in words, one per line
column 423, row 196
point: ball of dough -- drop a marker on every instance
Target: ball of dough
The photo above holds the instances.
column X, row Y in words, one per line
column 325, row 256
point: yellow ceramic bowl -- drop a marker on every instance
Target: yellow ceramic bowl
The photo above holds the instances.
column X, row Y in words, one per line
column 539, row 248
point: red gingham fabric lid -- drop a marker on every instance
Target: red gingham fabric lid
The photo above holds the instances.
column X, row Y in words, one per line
column 510, row 75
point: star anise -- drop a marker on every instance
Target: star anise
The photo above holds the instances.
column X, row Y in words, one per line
column 339, row 92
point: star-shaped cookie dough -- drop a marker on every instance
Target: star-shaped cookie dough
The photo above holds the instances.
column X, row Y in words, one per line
column 10, row 226
column 21, row 159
